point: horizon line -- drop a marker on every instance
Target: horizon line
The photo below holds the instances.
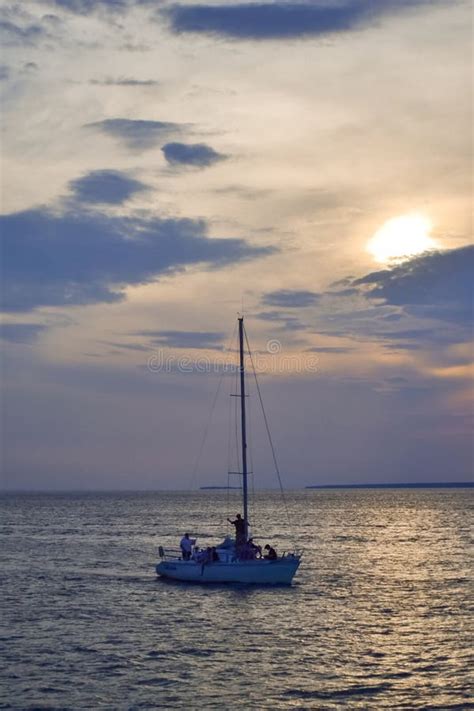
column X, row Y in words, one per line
column 388, row 485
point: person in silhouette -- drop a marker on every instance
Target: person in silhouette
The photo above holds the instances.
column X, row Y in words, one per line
column 201, row 556
column 271, row 553
column 239, row 524
column 245, row 552
column 256, row 551
column 186, row 545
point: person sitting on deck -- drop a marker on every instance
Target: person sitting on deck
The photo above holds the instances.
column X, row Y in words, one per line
column 186, row 545
column 272, row 554
column 210, row 555
column 199, row 555
column 240, row 526
column 256, row 550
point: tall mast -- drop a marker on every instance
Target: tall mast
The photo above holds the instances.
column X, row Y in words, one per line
column 243, row 424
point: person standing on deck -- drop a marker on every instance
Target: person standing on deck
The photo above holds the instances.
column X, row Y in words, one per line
column 186, row 545
column 240, row 526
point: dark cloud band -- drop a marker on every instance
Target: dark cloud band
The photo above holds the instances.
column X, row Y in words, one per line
column 82, row 258
column 436, row 285
column 287, row 298
column 105, row 186
column 280, row 20
column 21, row 332
column 196, row 154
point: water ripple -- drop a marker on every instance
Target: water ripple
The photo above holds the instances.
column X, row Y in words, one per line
column 378, row 617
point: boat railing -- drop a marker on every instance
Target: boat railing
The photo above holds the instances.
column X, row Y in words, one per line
column 166, row 553
column 176, row 553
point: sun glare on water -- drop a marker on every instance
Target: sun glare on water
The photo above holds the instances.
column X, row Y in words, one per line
column 401, row 238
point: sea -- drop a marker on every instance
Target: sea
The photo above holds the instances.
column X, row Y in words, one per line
column 378, row 616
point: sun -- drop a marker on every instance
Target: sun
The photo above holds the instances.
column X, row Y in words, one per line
column 401, row 238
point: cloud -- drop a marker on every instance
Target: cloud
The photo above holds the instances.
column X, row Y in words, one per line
column 244, row 193
column 124, row 81
column 347, row 281
column 86, row 7
column 289, row 323
column 83, row 258
column 21, row 332
column 403, row 346
column 105, row 186
column 345, row 292
column 434, row 285
column 283, row 20
column 12, row 33
column 4, row 72
column 288, row 298
column 329, row 349
column 137, row 134
column 421, row 334
column 127, row 346
column 185, row 339
column 422, row 304
column 197, row 154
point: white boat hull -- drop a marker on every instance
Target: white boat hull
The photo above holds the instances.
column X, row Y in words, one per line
column 257, row 572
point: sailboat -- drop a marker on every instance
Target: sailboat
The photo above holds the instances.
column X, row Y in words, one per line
column 231, row 562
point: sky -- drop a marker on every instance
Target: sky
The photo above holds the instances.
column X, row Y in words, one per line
column 167, row 166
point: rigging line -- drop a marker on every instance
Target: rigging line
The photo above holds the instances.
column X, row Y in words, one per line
column 249, row 459
column 229, row 436
column 229, row 455
column 272, row 447
column 251, row 464
column 206, row 429
column 236, row 422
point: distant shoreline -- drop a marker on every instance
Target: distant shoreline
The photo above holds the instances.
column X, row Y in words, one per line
column 206, row 488
column 416, row 485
